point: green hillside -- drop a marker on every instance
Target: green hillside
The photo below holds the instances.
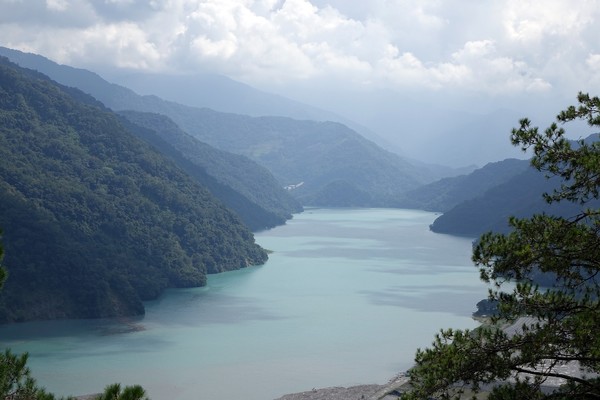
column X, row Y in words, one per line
column 485, row 199
column 316, row 154
column 323, row 155
column 447, row 193
column 234, row 173
column 94, row 219
column 520, row 196
column 241, row 184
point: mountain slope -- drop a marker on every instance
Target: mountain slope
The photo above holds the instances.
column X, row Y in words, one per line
column 520, row 196
column 316, row 153
column 95, row 220
column 233, row 171
column 242, row 185
column 447, row 193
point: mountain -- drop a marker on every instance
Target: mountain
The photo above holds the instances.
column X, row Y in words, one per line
column 241, row 184
column 447, row 193
column 316, row 154
column 94, row 219
column 313, row 153
column 485, row 199
column 271, row 205
column 220, row 93
column 520, row 196
column 201, row 90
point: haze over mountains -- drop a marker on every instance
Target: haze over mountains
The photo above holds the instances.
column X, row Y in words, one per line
column 315, row 154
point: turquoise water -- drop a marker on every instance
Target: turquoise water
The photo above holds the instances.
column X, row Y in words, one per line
column 345, row 298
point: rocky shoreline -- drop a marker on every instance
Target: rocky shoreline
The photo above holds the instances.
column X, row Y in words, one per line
column 388, row 391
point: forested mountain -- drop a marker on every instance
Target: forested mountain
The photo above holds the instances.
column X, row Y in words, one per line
column 270, row 204
column 447, row 193
column 240, row 183
column 330, row 159
column 316, row 154
column 202, row 90
column 519, row 196
column 485, row 199
column 95, row 220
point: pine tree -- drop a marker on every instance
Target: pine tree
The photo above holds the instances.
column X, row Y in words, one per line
column 557, row 333
column 114, row 392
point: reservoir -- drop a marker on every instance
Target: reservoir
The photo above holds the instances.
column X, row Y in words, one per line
column 346, row 298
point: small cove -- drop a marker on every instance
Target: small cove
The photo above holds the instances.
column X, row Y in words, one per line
column 346, row 298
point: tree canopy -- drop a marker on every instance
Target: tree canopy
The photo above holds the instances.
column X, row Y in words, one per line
column 551, row 348
column 95, row 219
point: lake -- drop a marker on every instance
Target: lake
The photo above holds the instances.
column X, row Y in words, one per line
column 346, row 298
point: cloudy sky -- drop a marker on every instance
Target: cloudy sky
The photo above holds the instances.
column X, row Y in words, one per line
column 364, row 59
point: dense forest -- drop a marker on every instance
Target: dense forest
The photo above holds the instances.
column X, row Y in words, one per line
column 96, row 220
column 447, row 193
column 485, row 199
column 237, row 179
column 240, row 183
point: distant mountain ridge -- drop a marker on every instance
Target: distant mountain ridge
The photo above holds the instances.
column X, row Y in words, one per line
column 316, row 154
column 94, row 219
column 485, row 199
column 247, row 188
column 223, row 94
column 447, row 193
column 212, row 91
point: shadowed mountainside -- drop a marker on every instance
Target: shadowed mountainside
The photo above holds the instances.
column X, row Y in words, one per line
column 239, row 179
column 94, row 219
column 245, row 187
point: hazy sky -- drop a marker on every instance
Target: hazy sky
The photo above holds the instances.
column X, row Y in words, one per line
column 476, row 56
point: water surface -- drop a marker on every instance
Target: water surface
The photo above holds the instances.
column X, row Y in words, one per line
column 345, row 298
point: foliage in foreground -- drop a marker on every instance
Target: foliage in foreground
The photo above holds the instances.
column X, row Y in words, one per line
column 114, row 392
column 16, row 382
column 559, row 338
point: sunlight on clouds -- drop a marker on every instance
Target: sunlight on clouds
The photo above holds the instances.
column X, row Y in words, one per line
column 593, row 65
column 125, row 43
column 428, row 20
column 403, row 68
column 593, row 62
column 539, row 85
column 223, row 48
column 57, row 5
column 529, row 21
column 505, row 46
column 478, row 66
column 494, row 72
column 326, row 58
column 474, row 50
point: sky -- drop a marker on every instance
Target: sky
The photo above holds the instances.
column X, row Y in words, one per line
column 425, row 75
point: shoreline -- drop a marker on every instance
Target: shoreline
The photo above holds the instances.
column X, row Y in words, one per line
column 389, row 391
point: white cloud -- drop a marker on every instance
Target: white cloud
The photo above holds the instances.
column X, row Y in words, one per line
column 593, row 61
column 528, row 21
column 57, row 5
column 507, row 46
